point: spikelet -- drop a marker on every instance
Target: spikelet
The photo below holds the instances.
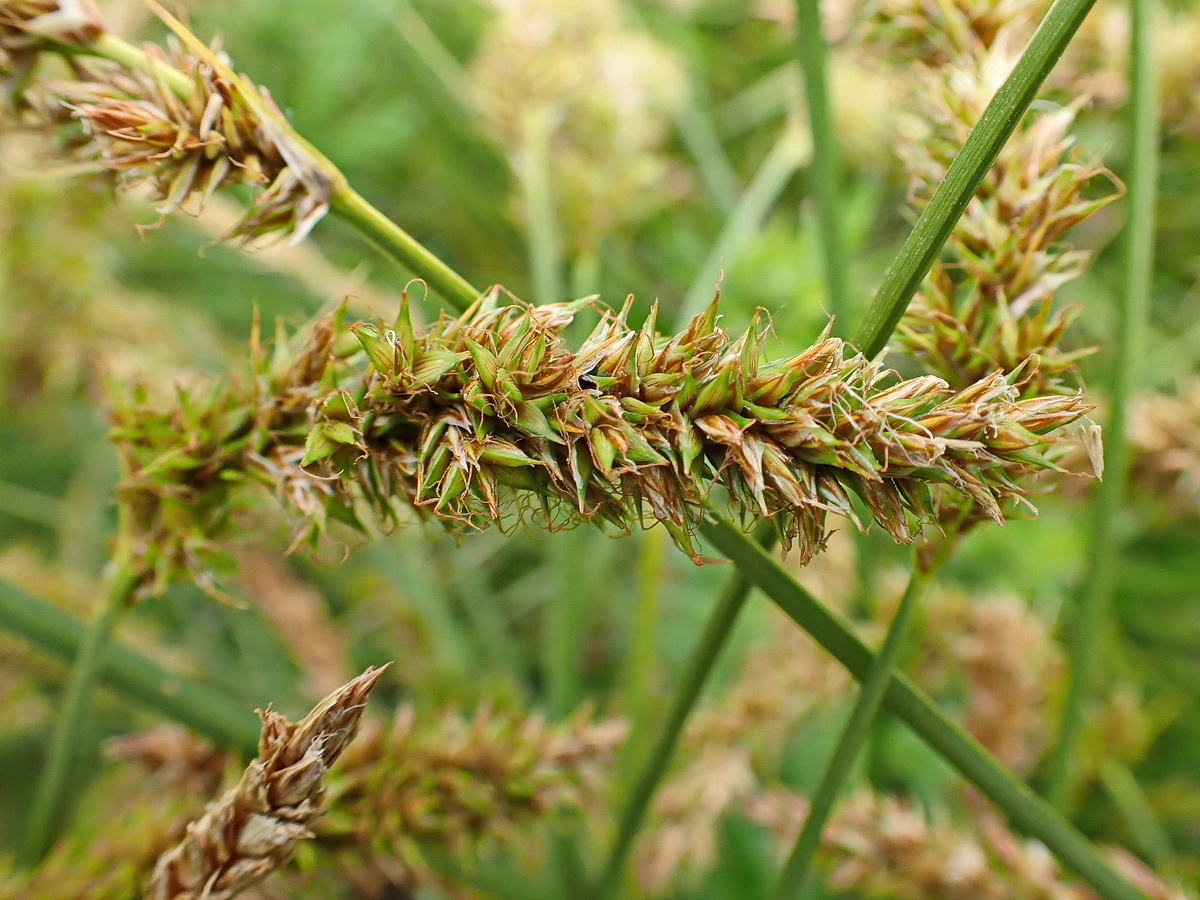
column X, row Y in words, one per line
column 455, row 784
column 488, row 418
column 179, row 120
column 440, row 782
column 27, row 25
column 250, row 830
column 880, row 847
column 1164, row 430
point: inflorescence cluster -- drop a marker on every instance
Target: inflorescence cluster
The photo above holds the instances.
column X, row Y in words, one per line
column 177, row 119
column 489, row 418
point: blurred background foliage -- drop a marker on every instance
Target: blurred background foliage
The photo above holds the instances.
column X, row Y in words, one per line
column 670, row 138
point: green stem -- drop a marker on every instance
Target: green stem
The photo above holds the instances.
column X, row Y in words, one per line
column 963, row 177
column 639, row 662
column 564, row 627
column 532, row 166
column 1092, row 613
column 794, row 879
column 392, row 240
column 712, row 164
column 811, row 54
column 772, row 176
column 699, row 664
column 1024, row 808
column 204, row 709
column 50, row 792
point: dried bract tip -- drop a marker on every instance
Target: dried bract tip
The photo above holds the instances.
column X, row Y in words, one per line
column 251, row 830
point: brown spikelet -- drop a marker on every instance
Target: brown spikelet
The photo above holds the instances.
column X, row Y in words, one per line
column 251, row 829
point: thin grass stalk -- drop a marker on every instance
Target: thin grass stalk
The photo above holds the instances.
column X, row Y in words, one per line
column 205, row 710
column 699, row 665
column 970, row 166
column 50, row 791
column 712, row 164
column 533, row 172
column 1026, row 810
column 811, row 55
column 1092, row 614
column 393, row 241
column 773, row 174
column 563, row 629
column 639, row 662
column 1150, row 837
column 32, row 506
column 793, row 881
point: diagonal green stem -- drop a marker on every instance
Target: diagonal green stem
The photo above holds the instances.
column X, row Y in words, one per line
column 1026, row 810
column 970, row 166
column 1129, row 340
column 699, row 664
column 772, row 176
column 794, row 879
column 393, row 241
column 810, row 51
column 204, row 709
column 50, row 792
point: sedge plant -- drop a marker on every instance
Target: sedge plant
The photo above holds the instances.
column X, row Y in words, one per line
column 490, row 416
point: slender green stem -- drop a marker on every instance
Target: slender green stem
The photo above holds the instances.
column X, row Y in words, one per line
column 699, row 664
column 392, row 240
column 1150, row 837
column 204, row 709
column 565, row 625
column 970, row 166
column 810, row 52
column 702, row 141
column 639, row 662
column 50, row 792
column 1091, row 616
column 533, row 172
column 772, row 176
column 1026, row 810
column 794, row 879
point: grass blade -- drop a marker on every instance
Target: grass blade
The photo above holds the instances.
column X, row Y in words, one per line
column 1129, row 339
column 811, row 54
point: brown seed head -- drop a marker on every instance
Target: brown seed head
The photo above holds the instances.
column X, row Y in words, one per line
column 251, row 829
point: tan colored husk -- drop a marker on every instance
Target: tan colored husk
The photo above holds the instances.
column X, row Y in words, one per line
column 180, row 121
column 251, row 830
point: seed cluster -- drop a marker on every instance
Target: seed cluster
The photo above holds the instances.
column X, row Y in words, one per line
column 489, row 418
column 251, row 830
column 179, row 120
column 989, row 303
